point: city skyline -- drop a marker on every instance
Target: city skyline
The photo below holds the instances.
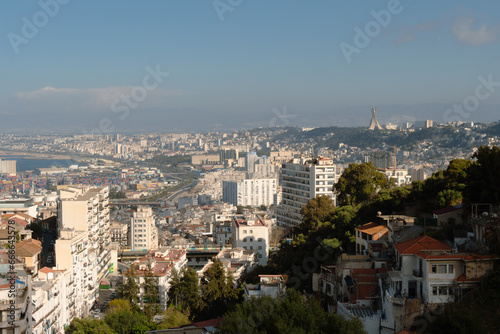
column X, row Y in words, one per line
column 234, row 65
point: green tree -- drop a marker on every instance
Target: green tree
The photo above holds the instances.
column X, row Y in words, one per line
column 317, row 211
column 359, row 183
column 150, row 298
column 292, row 313
column 449, row 197
column 129, row 290
column 173, row 317
column 483, row 182
column 87, row 326
column 184, row 291
column 217, row 291
column 129, row 321
column 456, row 173
column 119, row 304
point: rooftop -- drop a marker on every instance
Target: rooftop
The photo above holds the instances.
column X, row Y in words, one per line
column 372, row 228
column 421, row 243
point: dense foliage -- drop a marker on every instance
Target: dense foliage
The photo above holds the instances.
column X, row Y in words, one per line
column 213, row 297
column 291, row 314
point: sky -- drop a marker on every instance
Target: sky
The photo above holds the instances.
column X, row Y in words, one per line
column 154, row 65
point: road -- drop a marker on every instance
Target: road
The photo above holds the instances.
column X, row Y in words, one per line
column 171, row 197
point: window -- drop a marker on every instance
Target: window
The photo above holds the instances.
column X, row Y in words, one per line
column 244, row 231
column 442, row 290
column 442, row 269
column 260, row 247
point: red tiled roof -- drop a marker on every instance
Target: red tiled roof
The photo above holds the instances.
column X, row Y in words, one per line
column 47, row 270
column 462, row 278
column 456, row 256
column 372, row 228
column 418, row 244
column 208, row 323
column 447, row 209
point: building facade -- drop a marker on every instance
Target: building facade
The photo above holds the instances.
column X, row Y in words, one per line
column 252, row 192
column 302, row 180
column 84, row 243
column 143, row 232
column 251, row 234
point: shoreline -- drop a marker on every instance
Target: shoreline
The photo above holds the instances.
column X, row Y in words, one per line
column 35, row 155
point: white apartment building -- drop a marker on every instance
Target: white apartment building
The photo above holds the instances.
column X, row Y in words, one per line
column 266, row 170
column 253, row 192
column 162, row 262
column 251, row 234
column 15, row 308
column 8, row 166
column 84, row 243
column 119, row 234
column 302, row 180
column 400, row 176
column 74, row 254
column 143, row 232
column 50, row 293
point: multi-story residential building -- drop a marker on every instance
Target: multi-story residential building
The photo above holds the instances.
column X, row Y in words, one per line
column 270, row 285
column 15, row 304
column 50, row 298
column 253, row 192
column 251, row 234
column 143, row 232
column 30, row 252
column 74, row 254
column 400, row 176
column 302, row 180
column 368, row 232
column 222, row 232
column 17, row 205
column 84, row 243
column 265, row 171
column 235, row 261
column 119, row 234
column 381, row 159
column 162, row 262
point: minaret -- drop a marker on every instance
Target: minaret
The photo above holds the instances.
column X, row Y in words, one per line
column 374, row 123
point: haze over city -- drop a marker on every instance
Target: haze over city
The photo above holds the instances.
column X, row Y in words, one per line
column 204, row 66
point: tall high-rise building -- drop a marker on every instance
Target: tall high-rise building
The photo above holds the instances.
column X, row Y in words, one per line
column 302, row 180
column 143, row 232
column 250, row 161
column 382, row 159
column 84, row 242
column 252, row 192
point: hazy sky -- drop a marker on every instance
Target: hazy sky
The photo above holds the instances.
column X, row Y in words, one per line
column 103, row 65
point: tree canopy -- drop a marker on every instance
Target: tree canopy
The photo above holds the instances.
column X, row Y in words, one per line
column 129, row 290
column 483, row 184
column 291, row 314
column 184, row 291
column 358, row 183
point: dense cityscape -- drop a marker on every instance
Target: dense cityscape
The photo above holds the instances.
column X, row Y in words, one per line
column 233, row 166
column 116, row 209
